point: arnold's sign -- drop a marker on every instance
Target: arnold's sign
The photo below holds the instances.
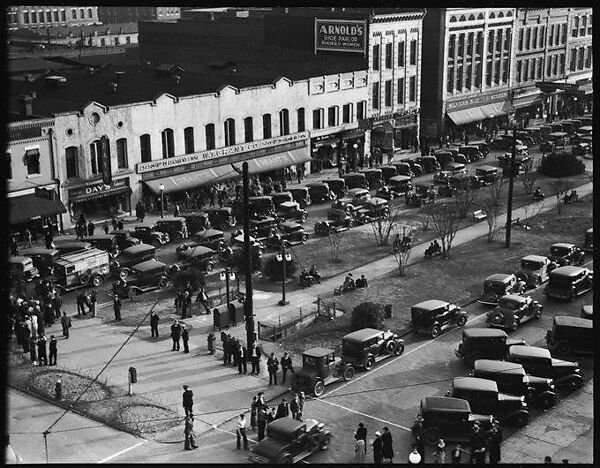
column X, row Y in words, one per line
column 340, row 35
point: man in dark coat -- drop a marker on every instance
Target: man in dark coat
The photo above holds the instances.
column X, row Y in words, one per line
column 494, row 439
column 175, row 335
column 283, row 410
column 42, row 355
column 235, row 347
column 272, row 365
column 48, row 239
column 65, row 321
column 53, row 351
column 261, row 419
column 188, row 401
column 186, row 305
column 242, row 359
column 154, row 324
column 378, row 449
column 185, row 337
column 477, row 440
column 286, row 365
column 255, row 354
column 225, row 338
column 81, row 299
column 90, row 228
column 388, row 449
column 117, row 308
column 361, row 433
column 211, row 342
column 56, row 304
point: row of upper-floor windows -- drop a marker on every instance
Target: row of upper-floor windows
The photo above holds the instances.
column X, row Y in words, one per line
column 393, row 59
column 466, row 77
column 581, row 26
column 533, row 69
column 388, row 92
column 49, row 16
column 471, row 44
column 581, row 58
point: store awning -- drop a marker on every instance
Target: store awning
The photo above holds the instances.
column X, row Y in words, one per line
column 527, row 101
column 475, row 114
column 28, row 207
column 194, row 179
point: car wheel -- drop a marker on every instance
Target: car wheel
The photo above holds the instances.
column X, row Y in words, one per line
column 304, row 238
column 461, row 320
column 177, row 237
column 349, row 373
column 97, row 280
column 435, row 331
column 369, row 362
column 521, row 420
column 123, row 273
column 285, row 458
column 515, row 325
column 319, row 388
column 83, row 279
column 162, row 283
column 167, row 238
column 431, row 435
column 399, row 349
column 209, row 267
column 303, row 218
column 324, row 444
column 389, row 348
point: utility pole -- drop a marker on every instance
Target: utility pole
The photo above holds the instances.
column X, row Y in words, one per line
column 248, row 306
column 511, row 182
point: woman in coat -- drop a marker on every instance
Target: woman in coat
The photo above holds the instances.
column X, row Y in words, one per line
column 387, row 449
column 359, row 451
column 378, row 448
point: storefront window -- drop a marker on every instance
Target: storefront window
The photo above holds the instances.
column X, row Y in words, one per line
column 301, row 119
column 267, row 132
column 188, row 139
column 284, row 122
column 145, row 148
column 32, row 161
column 248, row 129
column 229, row 128
column 71, row 159
column 209, row 132
column 122, row 161
column 347, row 113
column 168, row 143
column 95, row 156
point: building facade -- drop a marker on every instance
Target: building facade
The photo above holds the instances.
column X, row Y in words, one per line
column 117, row 14
column 36, row 17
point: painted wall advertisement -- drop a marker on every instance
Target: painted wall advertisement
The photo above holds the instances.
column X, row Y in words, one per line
column 340, row 35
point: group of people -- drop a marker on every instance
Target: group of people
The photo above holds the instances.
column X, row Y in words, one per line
column 261, row 414
column 382, row 445
column 308, row 277
column 350, row 283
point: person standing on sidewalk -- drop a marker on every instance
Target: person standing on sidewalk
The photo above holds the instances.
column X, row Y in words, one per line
column 190, row 435
column 255, row 354
column 33, row 350
column 53, row 351
column 440, row 452
column 185, row 337
column 272, row 365
column 378, row 449
column 117, row 308
column 81, row 303
column 241, row 431
column 42, row 355
column 56, row 304
column 361, row 433
column 175, row 335
column 283, row 410
column 456, row 454
column 294, row 407
column 253, row 412
column 154, row 324
column 188, row 401
column 65, row 321
column 359, row 451
column 301, row 398
column 286, row 364
column 387, row 448
column 493, row 441
column 202, row 300
column 93, row 302
column 242, row 359
column 211, row 342
column 261, row 419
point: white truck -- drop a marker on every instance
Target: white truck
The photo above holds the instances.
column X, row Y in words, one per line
column 79, row 269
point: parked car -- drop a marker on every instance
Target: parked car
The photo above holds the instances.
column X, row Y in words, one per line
column 461, row 158
column 581, row 149
column 441, row 177
column 487, row 173
column 535, row 270
column 570, row 335
column 564, row 253
column 373, row 209
column 497, row 285
column 81, row 268
column 400, row 184
column 132, row 256
column 124, row 238
column 430, row 164
column 443, row 157
column 261, row 207
column 464, row 181
column 368, row 346
column 107, row 242
column 290, row 233
column 455, row 168
column 512, row 378
column 327, row 227
column 403, row 168
column 587, row 311
column 301, row 196
column 588, row 243
column 484, row 343
column 290, row 441
column 291, row 210
column 357, row 196
column 196, row 220
column 280, row 197
column 505, row 142
column 319, row 192
column 67, row 246
column 447, row 418
column 262, row 229
column 374, row 177
column 42, row 258
column 513, row 310
column 320, row 367
column 356, row 180
column 211, row 238
column 150, row 236
column 482, row 146
column 143, row 277
column 199, row 256
column 569, row 282
column 175, row 227
column 539, row 362
column 221, row 217
column 388, row 171
column 337, row 186
column 434, row 316
column 522, row 161
column 484, row 397
column 415, row 167
column 21, row 268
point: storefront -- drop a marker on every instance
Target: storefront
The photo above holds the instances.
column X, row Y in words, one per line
column 529, row 104
column 36, row 211
column 98, row 201
column 340, row 147
column 393, row 131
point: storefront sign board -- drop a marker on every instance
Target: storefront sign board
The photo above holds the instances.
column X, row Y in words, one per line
column 340, row 35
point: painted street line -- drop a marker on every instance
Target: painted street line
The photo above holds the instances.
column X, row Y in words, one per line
column 104, row 460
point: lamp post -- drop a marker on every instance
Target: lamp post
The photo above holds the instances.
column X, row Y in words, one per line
column 283, row 256
column 227, row 275
column 511, row 182
column 161, row 187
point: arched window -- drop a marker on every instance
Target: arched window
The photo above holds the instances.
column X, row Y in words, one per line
column 188, row 140
column 71, row 154
column 145, row 148
column 284, row 122
column 301, row 119
column 248, row 129
column 500, row 15
column 122, row 162
column 480, row 16
column 471, row 17
column 95, row 156
column 462, row 18
column 229, row 127
column 509, row 14
column 168, row 143
column 209, row 131
column 492, row 15
column 453, row 19
column 575, row 31
column 267, row 131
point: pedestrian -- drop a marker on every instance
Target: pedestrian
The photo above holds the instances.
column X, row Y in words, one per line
column 33, row 350
column 42, row 356
column 185, row 337
column 105, row 227
column 361, row 433
column 359, row 451
column 175, row 334
column 255, row 354
column 476, row 439
column 202, row 299
column 283, row 410
column 28, row 237
column 53, row 350
column 90, row 228
column 114, row 223
column 261, row 419
column 272, row 365
column 211, row 342
column 188, row 401
column 479, row 455
column 494, row 440
column 154, row 324
column 260, row 400
column 241, row 432
column 253, row 412
column 34, row 326
column 225, row 337
column 242, row 359
column 190, row 435
column 117, row 308
column 81, row 299
column 93, row 301
column 187, row 304
column 414, row 458
column 48, row 239
column 440, row 452
column 65, row 321
column 120, row 224
column 178, row 302
column 301, row 399
column 286, row 364
column 378, row 449
column 14, row 246
column 387, row 447
column 456, row 454
column 294, row 407
column 57, row 303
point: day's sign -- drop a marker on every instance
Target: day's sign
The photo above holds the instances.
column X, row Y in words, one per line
column 340, row 35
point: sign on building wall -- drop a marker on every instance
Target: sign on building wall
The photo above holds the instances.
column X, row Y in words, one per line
column 340, row 35
column 105, row 158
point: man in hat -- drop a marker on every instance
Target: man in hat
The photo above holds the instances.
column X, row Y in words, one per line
column 440, row 452
column 175, row 334
column 154, row 324
column 286, row 365
column 378, row 449
column 456, row 454
column 272, row 365
column 387, row 447
column 188, row 401
column 283, row 410
column 477, row 440
column 42, row 356
column 65, row 321
column 117, row 308
column 190, row 435
column 241, row 431
column 493, row 441
column 185, row 337
column 53, row 350
column 242, row 359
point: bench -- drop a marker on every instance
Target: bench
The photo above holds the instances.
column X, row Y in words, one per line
column 479, row 215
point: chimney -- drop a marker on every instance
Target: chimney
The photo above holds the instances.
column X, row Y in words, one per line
column 26, row 105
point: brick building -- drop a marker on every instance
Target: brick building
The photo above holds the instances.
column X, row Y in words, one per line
column 37, row 17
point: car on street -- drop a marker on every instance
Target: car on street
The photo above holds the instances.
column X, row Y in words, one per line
column 301, row 196
column 320, row 192
column 568, row 282
column 263, row 228
column 290, row 441
column 258, row 207
column 337, row 185
column 341, row 208
column 320, row 367
column 430, row 164
column 291, row 210
column 497, row 285
column 570, row 335
column 374, row 177
column 434, row 316
column 176, row 228
column 327, row 227
column 512, row 310
column 512, row 378
column 280, row 197
column 441, row 177
column 484, row 397
column 464, row 181
column 357, row 196
column 564, row 253
column 196, row 220
column 200, row 257
column 522, row 161
column 447, row 418
column 221, row 217
column 22, row 268
column 211, row 238
column 444, row 156
column 372, row 210
column 356, row 180
column 108, row 242
column 400, row 184
column 148, row 235
column 388, row 171
column 289, row 233
column 581, row 149
column 539, row 362
column 535, row 270
column 42, row 258
column 363, row 348
column 487, row 173
column 67, row 246
column 143, row 277
column 472, row 152
column 403, row 168
column 484, row 343
column 123, row 238
column 131, row 256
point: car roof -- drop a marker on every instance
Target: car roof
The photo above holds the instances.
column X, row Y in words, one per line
column 317, row 184
column 191, row 214
column 390, row 166
column 148, row 265
column 474, row 383
column 286, row 425
column 568, row 321
column 484, row 333
column 18, row 259
column 502, row 277
column 290, row 224
column 568, row 270
column 218, row 208
column 208, row 233
column 38, row 250
column 590, row 230
column 534, row 351
column 445, row 404
column 401, row 163
column 334, row 179
column 357, row 190
column 535, row 258
column 455, row 164
column 196, row 251
column 139, row 248
column 289, row 204
column 431, row 304
column 492, row 365
column 468, row 147
column 297, row 189
column 268, row 219
column 486, row 167
column 282, row 194
column 70, row 243
column 317, row 352
column 363, row 335
column 513, row 298
column 565, row 245
column 377, row 201
column 558, row 134
column 399, row 178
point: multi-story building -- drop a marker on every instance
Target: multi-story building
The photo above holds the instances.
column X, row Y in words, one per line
column 36, row 17
column 118, row 14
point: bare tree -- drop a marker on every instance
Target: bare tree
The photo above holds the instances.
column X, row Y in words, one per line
column 528, row 178
column 464, row 198
column 492, row 206
column 445, row 221
column 559, row 189
column 383, row 227
column 335, row 238
column 403, row 245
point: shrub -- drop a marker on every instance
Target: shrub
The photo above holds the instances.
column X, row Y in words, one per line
column 368, row 315
column 563, row 164
column 238, row 261
column 273, row 269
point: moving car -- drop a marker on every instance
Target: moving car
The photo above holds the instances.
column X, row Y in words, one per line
column 211, row 238
column 513, row 310
column 569, row 282
column 434, row 316
column 497, row 285
column 143, row 277
column 484, row 397
column 176, row 228
column 464, row 181
column 484, row 343
column 150, row 236
column 221, row 217
column 564, row 253
column 363, row 348
column 319, row 192
column 535, row 270
column 570, row 335
column 320, row 367
column 289, row 441
column 22, row 268
column 132, row 256
column 291, row 210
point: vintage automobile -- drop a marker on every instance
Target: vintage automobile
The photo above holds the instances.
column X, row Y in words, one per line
column 363, row 348
column 498, row 285
column 320, row 367
column 430, row 164
column 149, row 236
column 261, row 207
column 237, row 242
column 581, row 149
column 461, row 158
column 81, row 268
column 67, row 246
column 388, row 171
column 444, row 157
column 464, row 181
column 570, row 335
column 143, row 277
column 356, row 196
column 196, row 220
column 415, row 167
column 42, row 259
column 301, row 196
column 319, row 192
column 280, row 197
column 455, row 168
column 484, row 343
column 340, row 209
column 484, row 397
column 22, row 268
column 564, row 253
column 512, row 378
column 423, row 194
column 262, row 229
column 434, row 316
column 291, row 210
column 487, row 173
column 539, row 362
column 289, row 233
column 447, row 418
column 387, row 193
column 211, row 238
column 132, row 256
column 535, row 270
column 588, row 243
column 483, row 148
column 504, row 142
column 337, row 186
column 523, row 162
column 374, row 177
column 569, row 282
column 123, row 239
column 403, row 168
column 400, row 184
column 175, row 227
column 441, row 177
column 221, row 217
column 513, row 310
column 290, row 441
column 556, row 140
column 325, row 228
column 356, row 180
column 199, row 256
column 373, row 209
column 107, row 242
column 587, row 311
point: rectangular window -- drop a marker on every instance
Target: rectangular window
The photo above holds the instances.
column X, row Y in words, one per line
column 479, row 44
column 209, row 133
column 71, row 160
column 450, row 80
column 332, row 117
column 549, row 65
column 580, row 60
column 301, row 120
column 412, row 88
column 573, row 59
column 128, row 40
column 63, row 15
column 145, row 148
column 461, row 45
column 488, row 73
column 8, row 156
column 526, row 70
column 81, row 13
column 583, row 26
column 534, row 40
column 542, row 37
column 168, row 143
column 562, row 64
column 563, row 36
column 499, row 40
column 388, row 55
column 361, row 110
column 267, row 130
column 519, row 69
column 451, row 46
column 588, row 58
column 248, row 129
column 528, row 39
column 497, row 71
column 413, row 52
column 490, row 42
column 468, row 77
column 478, row 75
column 317, row 122
column 401, row 53
column 551, row 35
column 116, row 41
column 375, row 95
column 188, row 140
column 575, row 30
column 55, row 14
column 459, row 78
column 388, row 93
column 73, row 13
column 400, row 90
column 470, row 45
column 376, row 57
column 122, row 153
column 90, row 13
column 48, row 16
column 520, row 45
column 507, row 38
column 557, row 34
column 589, row 31
column 26, row 17
column 229, row 130
column 347, row 113
column 555, row 65
column 540, row 68
column 95, row 156
column 532, row 69
column 284, row 122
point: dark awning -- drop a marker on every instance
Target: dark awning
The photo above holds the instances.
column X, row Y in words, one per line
column 27, row 207
column 475, row 114
column 527, row 101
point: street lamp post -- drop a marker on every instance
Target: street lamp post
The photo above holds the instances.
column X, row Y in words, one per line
column 283, row 256
column 161, row 187
column 227, row 275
